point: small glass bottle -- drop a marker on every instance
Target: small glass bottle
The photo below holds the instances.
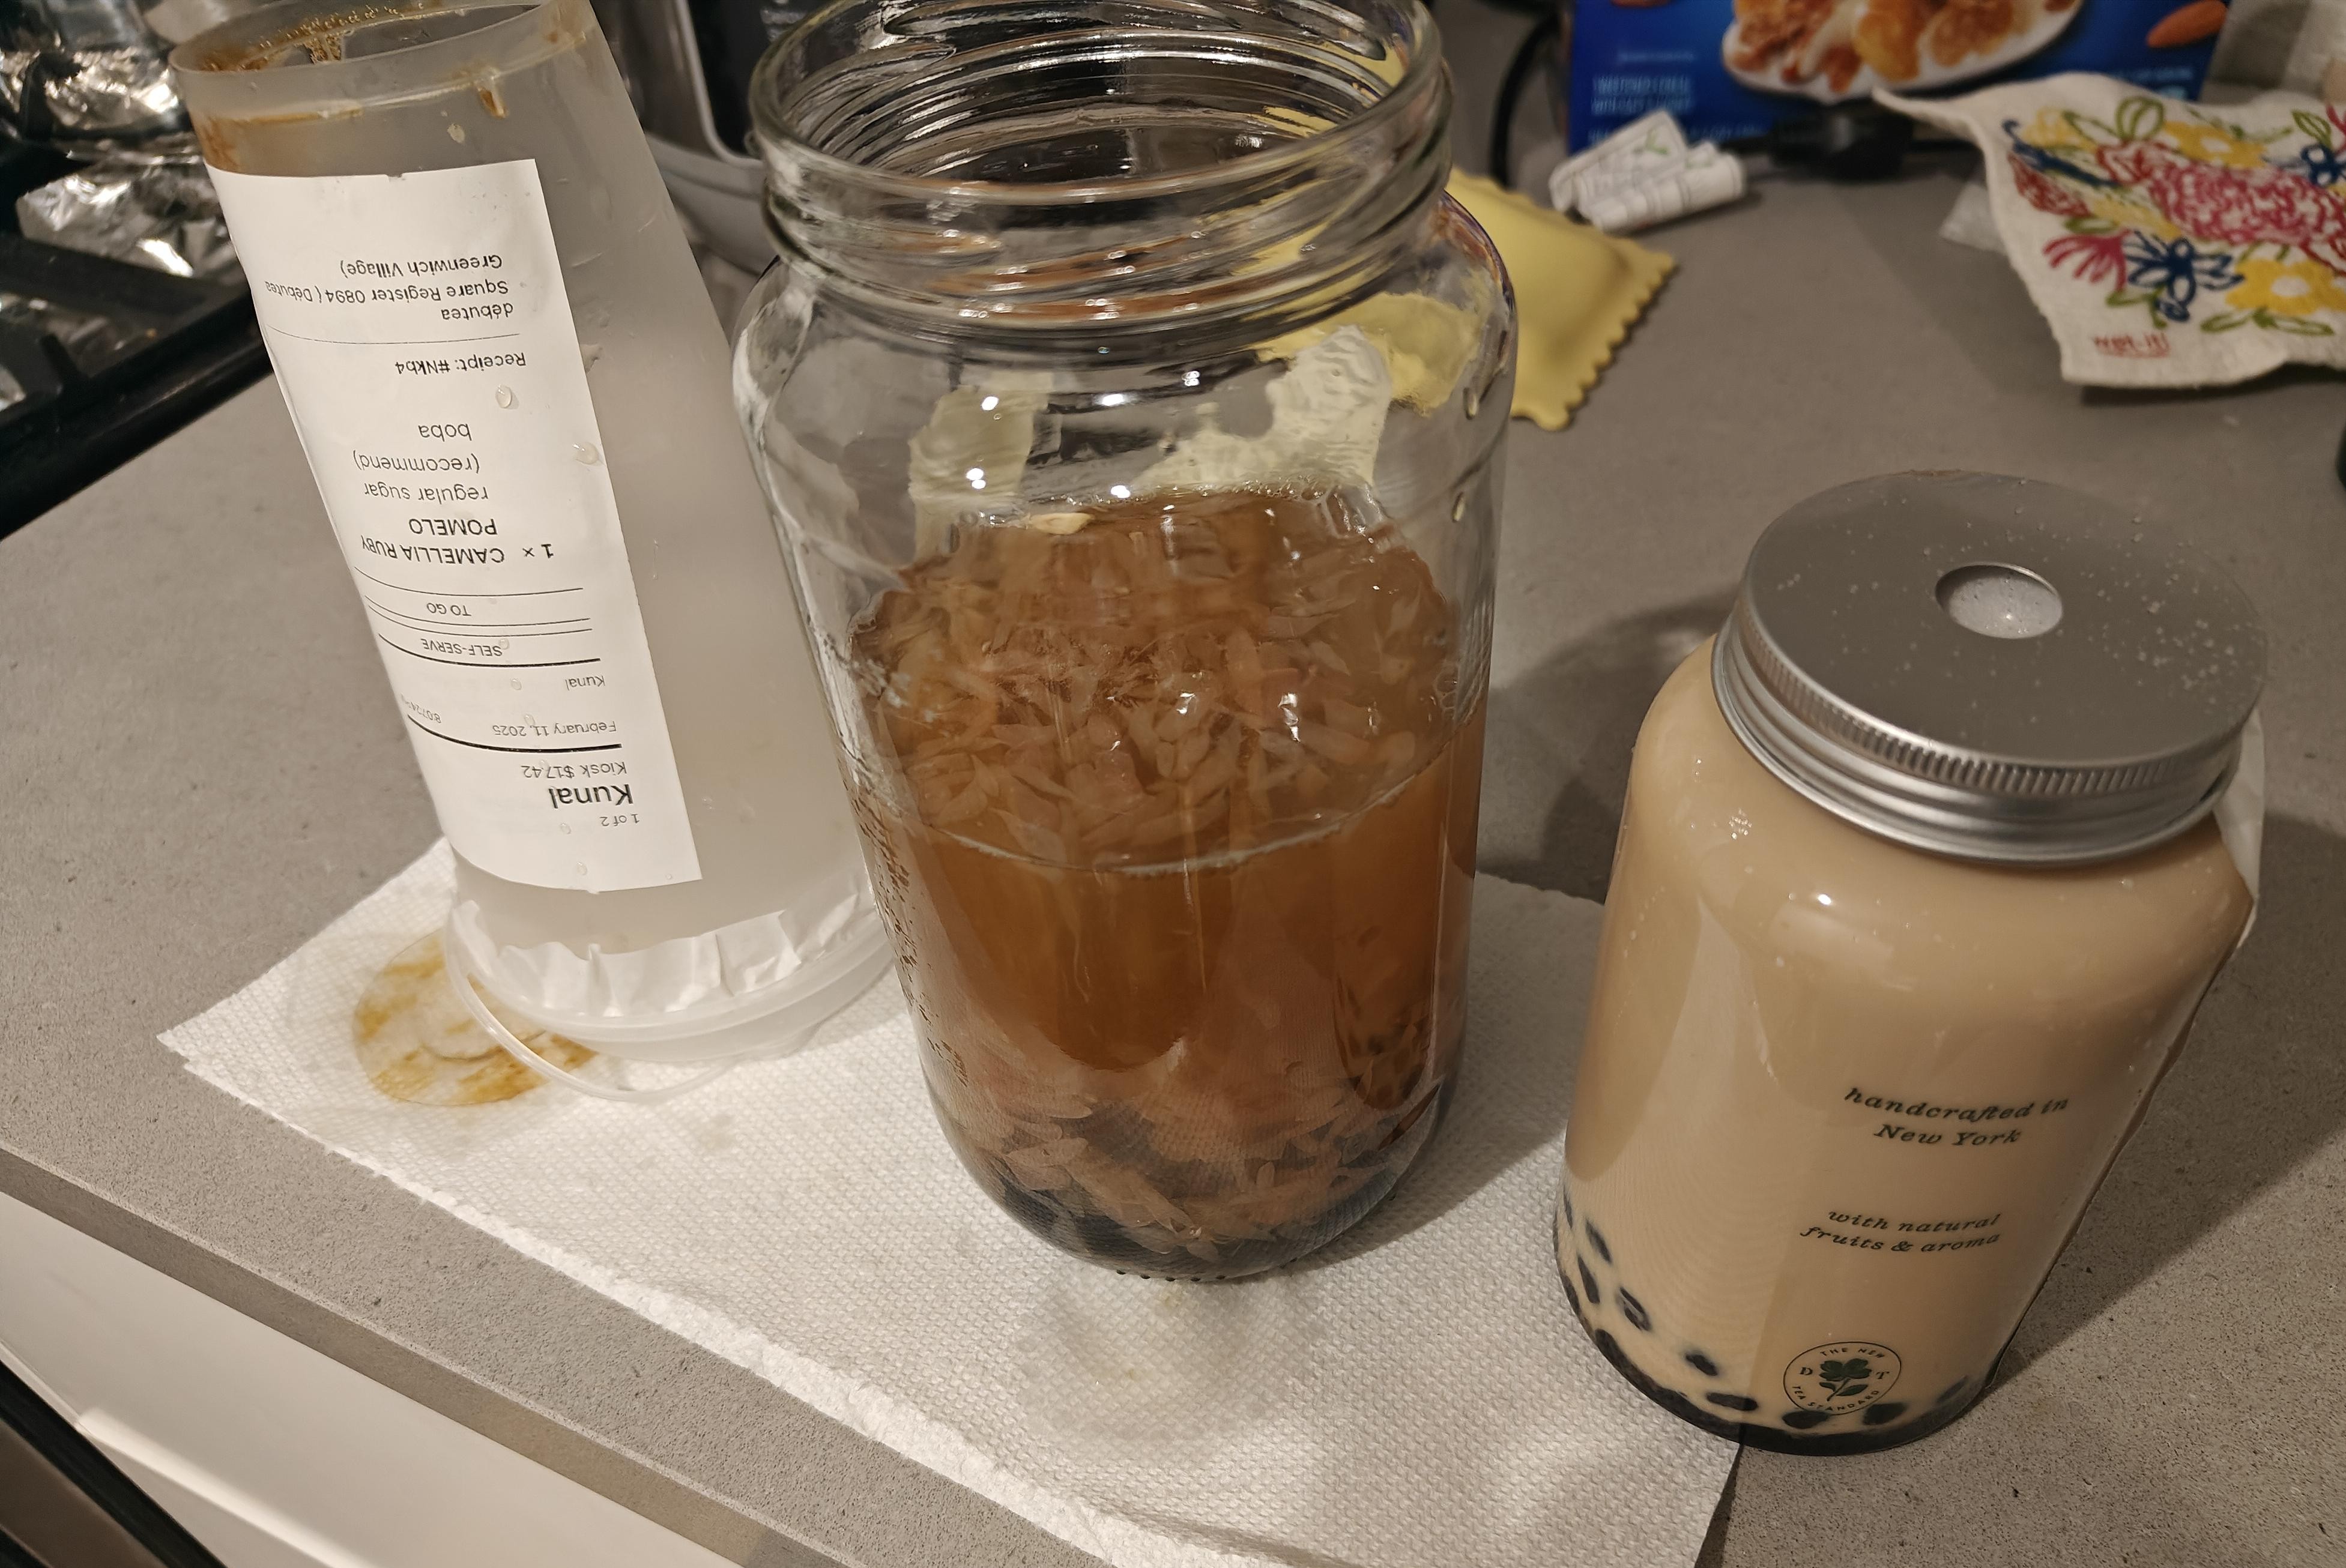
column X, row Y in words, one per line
column 1127, row 395
column 1926, row 864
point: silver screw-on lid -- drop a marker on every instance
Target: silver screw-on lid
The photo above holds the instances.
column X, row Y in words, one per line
column 1989, row 667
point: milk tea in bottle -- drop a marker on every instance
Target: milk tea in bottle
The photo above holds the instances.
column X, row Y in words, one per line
column 1927, row 862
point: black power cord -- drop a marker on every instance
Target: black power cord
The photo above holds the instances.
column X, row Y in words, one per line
column 1544, row 34
column 1858, row 141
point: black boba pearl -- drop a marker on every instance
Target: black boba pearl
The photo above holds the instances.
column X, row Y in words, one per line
column 1033, row 1208
column 1734, row 1401
column 1570, row 1219
column 1610, row 1347
column 1957, row 1386
column 1588, row 1281
column 1801, row 1421
column 1570, row 1294
column 1881, row 1415
column 1702, row 1364
column 1103, row 1235
column 1635, row 1310
column 1596, row 1240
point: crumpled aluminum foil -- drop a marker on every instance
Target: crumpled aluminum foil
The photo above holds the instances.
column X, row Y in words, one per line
column 155, row 210
column 82, row 74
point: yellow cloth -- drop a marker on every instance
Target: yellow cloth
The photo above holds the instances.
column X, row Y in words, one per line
column 1578, row 289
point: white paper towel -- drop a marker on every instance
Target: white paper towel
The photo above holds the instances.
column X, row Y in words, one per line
column 1415, row 1396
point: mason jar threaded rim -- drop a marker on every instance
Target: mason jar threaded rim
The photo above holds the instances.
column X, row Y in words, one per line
column 2111, row 727
column 1420, row 74
column 871, row 115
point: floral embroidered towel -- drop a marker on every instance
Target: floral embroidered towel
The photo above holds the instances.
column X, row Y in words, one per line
column 2170, row 244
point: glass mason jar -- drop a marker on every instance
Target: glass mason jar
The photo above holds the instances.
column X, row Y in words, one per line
column 1128, row 397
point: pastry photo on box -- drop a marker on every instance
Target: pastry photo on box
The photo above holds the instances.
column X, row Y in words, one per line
column 1732, row 68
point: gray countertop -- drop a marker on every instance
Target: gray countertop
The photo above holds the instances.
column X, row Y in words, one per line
column 202, row 766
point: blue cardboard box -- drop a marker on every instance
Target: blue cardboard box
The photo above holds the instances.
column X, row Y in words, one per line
column 1731, row 68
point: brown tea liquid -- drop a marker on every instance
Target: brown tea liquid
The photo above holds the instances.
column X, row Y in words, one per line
column 1176, row 839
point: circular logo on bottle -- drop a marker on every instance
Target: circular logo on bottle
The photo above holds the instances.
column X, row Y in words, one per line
column 1846, row 1375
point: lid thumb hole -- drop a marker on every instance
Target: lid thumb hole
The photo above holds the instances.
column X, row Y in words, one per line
column 1999, row 601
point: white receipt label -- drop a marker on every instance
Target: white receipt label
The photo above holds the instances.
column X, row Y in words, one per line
column 423, row 337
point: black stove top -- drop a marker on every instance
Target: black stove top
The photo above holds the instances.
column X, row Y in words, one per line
column 101, row 359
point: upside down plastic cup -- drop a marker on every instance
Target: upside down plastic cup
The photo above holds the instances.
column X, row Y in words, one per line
column 513, row 393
